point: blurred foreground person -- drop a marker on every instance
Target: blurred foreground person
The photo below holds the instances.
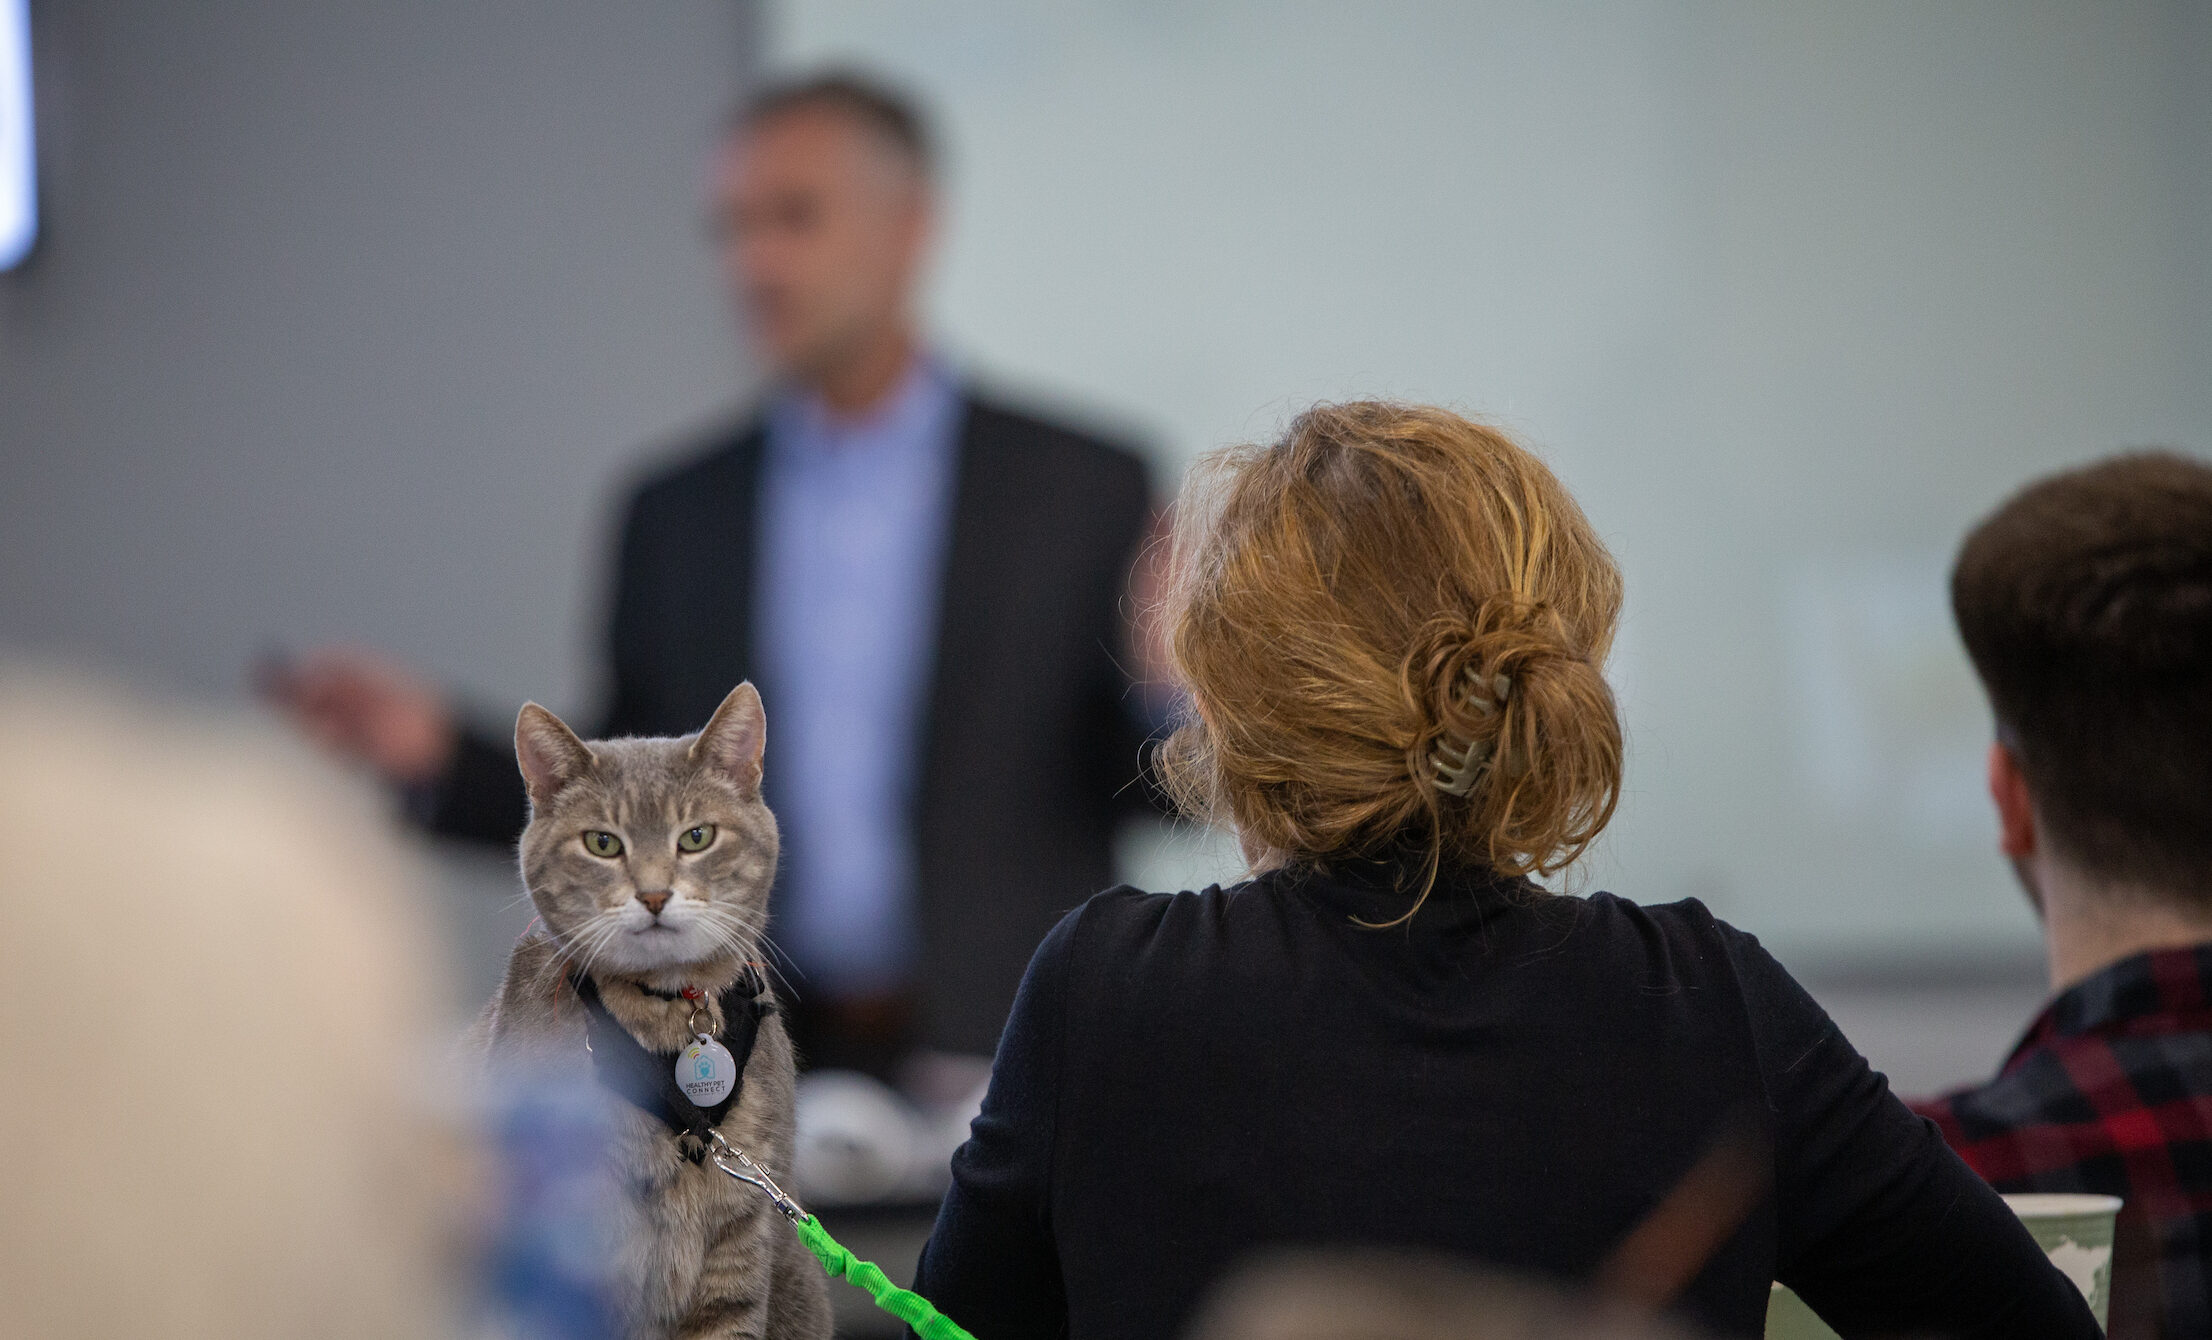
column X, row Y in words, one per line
column 214, row 1008
column 924, row 583
column 2086, row 605
column 1392, row 624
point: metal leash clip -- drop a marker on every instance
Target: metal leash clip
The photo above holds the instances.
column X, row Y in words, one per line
column 752, row 1174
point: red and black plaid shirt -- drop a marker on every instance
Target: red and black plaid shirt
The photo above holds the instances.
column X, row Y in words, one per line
column 2111, row 1092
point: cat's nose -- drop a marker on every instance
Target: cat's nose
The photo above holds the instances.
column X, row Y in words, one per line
column 654, row 902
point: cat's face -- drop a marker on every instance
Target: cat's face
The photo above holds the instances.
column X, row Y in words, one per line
column 649, row 857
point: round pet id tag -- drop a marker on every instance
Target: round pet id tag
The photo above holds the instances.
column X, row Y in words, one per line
column 706, row 1072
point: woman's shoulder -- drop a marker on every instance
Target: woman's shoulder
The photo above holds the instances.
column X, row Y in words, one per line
column 1681, row 941
column 1126, row 915
column 1685, row 919
column 1126, row 937
column 1126, row 940
column 1695, row 947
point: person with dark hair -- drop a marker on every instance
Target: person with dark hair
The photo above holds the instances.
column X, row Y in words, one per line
column 925, row 582
column 866, row 102
column 2085, row 603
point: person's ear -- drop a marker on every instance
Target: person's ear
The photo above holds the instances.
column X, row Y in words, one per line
column 2008, row 787
column 735, row 738
column 548, row 753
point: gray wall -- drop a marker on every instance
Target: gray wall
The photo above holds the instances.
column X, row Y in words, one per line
column 345, row 322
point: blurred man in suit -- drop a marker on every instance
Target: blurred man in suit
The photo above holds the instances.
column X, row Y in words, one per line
column 926, row 584
column 2086, row 604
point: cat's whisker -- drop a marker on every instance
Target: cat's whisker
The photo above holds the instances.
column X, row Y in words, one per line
column 727, row 917
column 717, row 911
column 749, row 927
column 573, row 943
column 581, row 948
column 606, row 926
column 773, row 958
column 578, row 954
column 730, row 930
column 564, row 952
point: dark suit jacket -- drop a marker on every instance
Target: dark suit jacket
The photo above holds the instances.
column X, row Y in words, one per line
column 1033, row 744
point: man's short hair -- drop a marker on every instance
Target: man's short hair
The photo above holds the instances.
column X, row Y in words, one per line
column 2086, row 605
column 877, row 106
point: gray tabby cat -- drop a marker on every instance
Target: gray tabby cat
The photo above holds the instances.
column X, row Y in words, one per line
column 649, row 861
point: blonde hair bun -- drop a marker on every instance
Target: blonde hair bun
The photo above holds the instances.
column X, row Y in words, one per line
column 1392, row 623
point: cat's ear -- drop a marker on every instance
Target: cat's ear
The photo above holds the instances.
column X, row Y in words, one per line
column 548, row 752
column 732, row 742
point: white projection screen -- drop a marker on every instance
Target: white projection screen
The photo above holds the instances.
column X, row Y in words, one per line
column 1789, row 294
column 18, row 142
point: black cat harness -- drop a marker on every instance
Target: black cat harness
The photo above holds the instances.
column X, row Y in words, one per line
column 655, row 1082
column 711, row 1068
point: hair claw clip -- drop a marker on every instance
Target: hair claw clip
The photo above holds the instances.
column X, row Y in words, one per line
column 1457, row 765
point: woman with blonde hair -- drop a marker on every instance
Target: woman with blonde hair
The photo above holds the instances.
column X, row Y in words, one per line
column 1391, row 625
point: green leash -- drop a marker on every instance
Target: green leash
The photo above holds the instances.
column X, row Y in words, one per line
column 905, row 1304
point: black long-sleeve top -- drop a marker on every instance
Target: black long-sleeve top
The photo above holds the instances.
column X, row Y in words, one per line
column 1511, row 1076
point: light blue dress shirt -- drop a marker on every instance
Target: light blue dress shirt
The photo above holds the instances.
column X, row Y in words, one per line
column 854, row 521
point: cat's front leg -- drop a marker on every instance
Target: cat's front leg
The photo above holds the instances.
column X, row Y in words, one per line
column 799, row 1307
column 731, row 1300
column 739, row 1318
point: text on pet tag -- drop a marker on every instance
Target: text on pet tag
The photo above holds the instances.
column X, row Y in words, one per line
column 706, row 1072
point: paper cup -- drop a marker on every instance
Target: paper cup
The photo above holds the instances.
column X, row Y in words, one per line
column 1789, row 1319
column 2075, row 1231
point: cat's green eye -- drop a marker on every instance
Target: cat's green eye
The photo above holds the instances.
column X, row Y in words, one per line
column 695, row 839
column 603, row 844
